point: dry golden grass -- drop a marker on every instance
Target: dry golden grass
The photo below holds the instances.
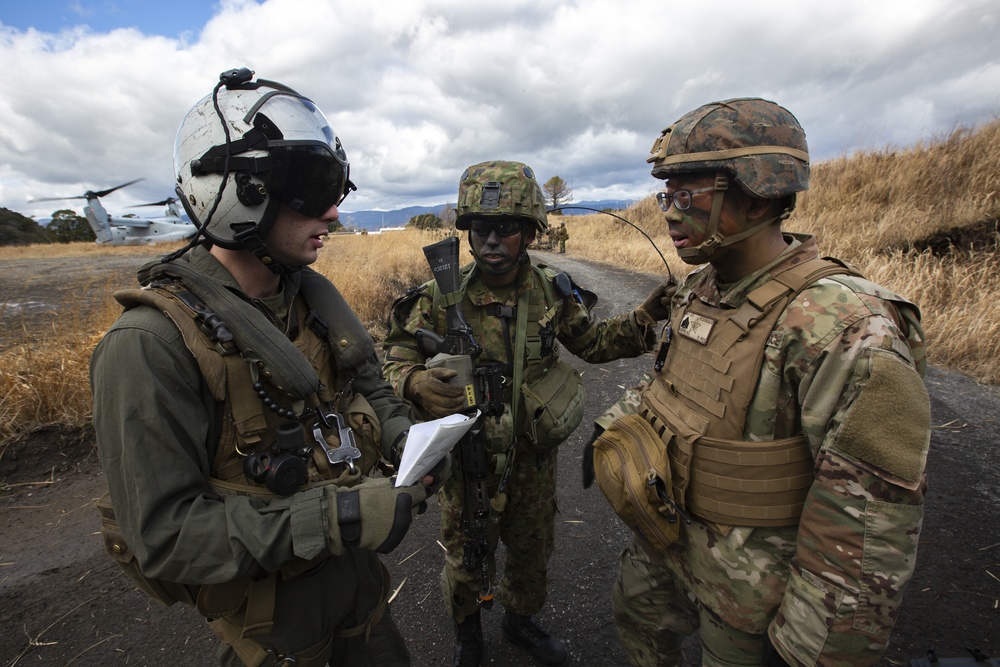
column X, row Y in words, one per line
column 371, row 271
column 892, row 213
column 45, row 373
column 78, row 249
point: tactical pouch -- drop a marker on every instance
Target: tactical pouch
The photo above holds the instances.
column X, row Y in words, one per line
column 166, row 592
column 553, row 406
column 633, row 472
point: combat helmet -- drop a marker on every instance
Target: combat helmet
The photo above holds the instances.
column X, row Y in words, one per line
column 246, row 149
column 756, row 142
column 500, row 188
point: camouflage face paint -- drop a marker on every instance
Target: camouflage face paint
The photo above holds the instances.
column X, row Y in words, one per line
column 685, row 231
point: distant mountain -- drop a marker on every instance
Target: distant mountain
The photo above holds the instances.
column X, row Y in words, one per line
column 599, row 204
column 374, row 220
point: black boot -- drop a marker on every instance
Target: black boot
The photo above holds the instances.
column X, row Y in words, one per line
column 545, row 648
column 468, row 642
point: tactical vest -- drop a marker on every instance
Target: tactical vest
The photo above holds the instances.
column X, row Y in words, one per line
column 547, row 394
column 698, row 403
column 248, row 426
column 244, row 608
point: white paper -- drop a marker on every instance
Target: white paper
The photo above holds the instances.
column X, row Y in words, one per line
column 427, row 444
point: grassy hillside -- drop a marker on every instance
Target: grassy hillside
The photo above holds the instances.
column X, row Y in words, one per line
column 922, row 221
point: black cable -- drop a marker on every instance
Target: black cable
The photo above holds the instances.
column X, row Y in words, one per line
column 628, row 222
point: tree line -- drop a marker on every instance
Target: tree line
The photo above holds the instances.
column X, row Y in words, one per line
column 66, row 227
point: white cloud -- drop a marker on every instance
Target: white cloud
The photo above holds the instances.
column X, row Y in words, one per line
column 418, row 90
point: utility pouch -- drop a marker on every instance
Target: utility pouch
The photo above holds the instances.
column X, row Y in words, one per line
column 165, row 592
column 633, row 472
column 552, row 407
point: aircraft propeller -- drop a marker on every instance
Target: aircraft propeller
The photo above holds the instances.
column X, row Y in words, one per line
column 89, row 194
column 163, row 202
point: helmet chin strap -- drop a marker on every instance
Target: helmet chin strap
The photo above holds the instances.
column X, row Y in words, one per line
column 714, row 239
column 249, row 237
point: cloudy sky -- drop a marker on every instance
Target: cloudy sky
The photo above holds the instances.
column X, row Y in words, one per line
column 93, row 90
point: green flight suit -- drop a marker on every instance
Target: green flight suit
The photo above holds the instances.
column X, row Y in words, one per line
column 158, row 427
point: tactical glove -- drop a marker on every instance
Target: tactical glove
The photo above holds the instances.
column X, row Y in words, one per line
column 588, row 457
column 373, row 515
column 430, row 390
column 657, row 304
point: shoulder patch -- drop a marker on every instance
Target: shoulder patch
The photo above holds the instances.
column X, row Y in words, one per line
column 889, row 423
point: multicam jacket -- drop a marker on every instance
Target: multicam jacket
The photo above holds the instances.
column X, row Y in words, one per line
column 842, row 366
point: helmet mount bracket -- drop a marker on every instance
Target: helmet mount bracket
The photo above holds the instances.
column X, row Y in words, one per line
column 490, row 199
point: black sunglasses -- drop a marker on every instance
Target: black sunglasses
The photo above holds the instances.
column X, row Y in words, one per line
column 502, row 226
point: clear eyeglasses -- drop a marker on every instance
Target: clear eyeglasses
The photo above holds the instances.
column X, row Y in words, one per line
column 680, row 198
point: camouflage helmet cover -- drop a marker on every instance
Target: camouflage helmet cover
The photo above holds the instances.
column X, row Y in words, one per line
column 757, row 141
column 500, row 188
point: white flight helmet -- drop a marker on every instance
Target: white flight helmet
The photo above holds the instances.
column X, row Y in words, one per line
column 249, row 147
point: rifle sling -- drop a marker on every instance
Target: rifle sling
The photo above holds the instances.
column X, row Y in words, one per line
column 505, row 460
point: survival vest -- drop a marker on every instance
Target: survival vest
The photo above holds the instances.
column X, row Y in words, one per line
column 246, row 375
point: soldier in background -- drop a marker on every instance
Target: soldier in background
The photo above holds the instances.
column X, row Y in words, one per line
column 520, row 316
column 789, row 415
column 563, row 235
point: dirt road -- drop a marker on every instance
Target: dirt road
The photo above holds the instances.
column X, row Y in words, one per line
column 63, row 602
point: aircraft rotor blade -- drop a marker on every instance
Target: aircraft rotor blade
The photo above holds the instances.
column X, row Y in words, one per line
column 104, row 193
column 163, row 202
column 89, row 194
column 31, row 201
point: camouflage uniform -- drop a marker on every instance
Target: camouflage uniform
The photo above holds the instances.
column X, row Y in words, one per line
column 842, row 366
column 563, row 237
column 528, row 523
column 832, row 584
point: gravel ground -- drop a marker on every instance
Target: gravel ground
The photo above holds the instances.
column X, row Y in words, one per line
column 63, row 602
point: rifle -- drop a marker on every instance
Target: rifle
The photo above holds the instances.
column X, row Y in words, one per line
column 458, row 350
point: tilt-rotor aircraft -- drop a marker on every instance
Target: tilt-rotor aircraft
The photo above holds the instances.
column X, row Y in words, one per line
column 119, row 230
